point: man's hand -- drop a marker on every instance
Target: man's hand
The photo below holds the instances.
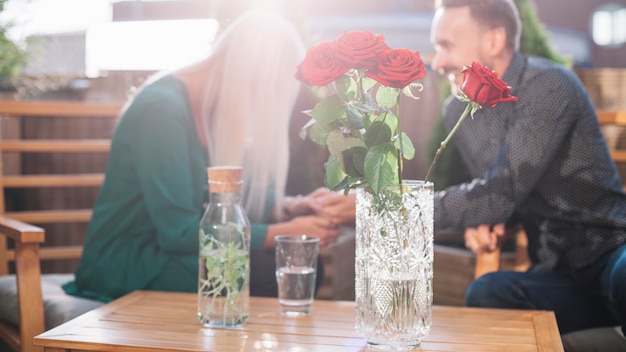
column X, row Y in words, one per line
column 484, row 238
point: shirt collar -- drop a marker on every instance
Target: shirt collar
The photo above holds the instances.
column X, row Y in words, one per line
column 513, row 74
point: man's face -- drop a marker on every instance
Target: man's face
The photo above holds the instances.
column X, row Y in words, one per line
column 458, row 40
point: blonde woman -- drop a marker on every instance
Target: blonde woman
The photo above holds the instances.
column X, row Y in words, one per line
column 230, row 108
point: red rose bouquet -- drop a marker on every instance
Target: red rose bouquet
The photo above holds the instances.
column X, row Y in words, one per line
column 481, row 87
column 359, row 120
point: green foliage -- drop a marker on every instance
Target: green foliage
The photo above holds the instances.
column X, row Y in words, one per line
column 534, row 39
column 225, row 268
column 360, row 126
column 12, row 57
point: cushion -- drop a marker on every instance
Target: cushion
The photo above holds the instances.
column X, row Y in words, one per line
column 59, row 307
column 606, row 339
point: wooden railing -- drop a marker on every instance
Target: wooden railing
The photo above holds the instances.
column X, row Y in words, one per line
column 17, row 224
column 15, row 145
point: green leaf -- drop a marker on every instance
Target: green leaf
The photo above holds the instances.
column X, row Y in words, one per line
column 338, row 144
column 390, row 119
column 354, row 159
column 381, row 167
column 368, row 105
column 413, row 88
column 319, row 132
column 355, row 119
column 367, row 111
column 346, row 88
column 303, row 130
column 367, row 83
column 330, row 109
column 387, row 97
column 334, row 177
column 354, row 183
column 404, row 144
column 377, row 133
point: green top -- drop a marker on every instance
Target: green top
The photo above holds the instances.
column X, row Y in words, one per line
column 146, row 218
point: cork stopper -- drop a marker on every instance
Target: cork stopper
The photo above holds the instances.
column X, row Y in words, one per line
column 224, row 179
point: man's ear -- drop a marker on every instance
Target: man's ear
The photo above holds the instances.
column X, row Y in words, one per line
column 497, row 41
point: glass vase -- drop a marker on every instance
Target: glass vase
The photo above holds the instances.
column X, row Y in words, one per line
column 394, row 265
column 224, row 254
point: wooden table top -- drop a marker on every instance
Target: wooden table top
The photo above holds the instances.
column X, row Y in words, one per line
column 150, row 320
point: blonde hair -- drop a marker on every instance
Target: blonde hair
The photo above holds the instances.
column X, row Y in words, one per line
column 249, row 98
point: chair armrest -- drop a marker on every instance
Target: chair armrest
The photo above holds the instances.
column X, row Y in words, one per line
column 21, row 232
column 28, row 276
column 489, row 262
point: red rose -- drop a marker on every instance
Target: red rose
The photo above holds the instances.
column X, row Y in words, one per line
column 398, row 68
column 320, row 66
column 482, row 86
column 359, row 49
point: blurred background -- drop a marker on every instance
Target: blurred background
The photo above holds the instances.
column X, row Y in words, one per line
column 101, row 50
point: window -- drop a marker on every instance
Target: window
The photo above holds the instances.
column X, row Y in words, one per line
column 147, row 45
column 608, row 25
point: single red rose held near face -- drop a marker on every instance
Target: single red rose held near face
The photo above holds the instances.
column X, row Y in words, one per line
column 320, row 66
column 482, row 86
column 359, row 49
column 398, row 68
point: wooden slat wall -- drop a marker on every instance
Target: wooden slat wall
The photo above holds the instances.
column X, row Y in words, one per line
column 53, row 162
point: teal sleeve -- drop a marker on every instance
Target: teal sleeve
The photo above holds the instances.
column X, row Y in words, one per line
column 162, row 158
column 258, row 235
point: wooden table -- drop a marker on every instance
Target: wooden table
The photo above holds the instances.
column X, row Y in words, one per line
column 148, row 320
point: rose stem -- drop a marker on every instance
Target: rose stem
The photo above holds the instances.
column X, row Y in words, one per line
column 447, row 140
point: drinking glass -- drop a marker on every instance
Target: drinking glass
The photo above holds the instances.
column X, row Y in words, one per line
column 296, row 269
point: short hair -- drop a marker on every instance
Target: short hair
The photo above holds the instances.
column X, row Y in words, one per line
column 492, row 13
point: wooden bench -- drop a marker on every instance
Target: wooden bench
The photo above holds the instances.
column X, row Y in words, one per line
column 20, row 151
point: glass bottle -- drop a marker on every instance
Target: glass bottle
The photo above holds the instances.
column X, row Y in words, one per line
column 224, row 254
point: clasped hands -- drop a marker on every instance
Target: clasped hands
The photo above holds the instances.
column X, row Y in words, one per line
column 335, row 209
column 321, row 212
column 334, row 206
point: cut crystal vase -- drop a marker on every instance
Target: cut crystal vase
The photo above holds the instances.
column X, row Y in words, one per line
column 394, row 265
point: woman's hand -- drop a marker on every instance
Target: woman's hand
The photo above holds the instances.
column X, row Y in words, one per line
column 301, row 205
column 311, row 225
column 339, row 208
column 316, row 226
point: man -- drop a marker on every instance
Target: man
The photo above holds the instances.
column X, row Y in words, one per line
column 541, row 162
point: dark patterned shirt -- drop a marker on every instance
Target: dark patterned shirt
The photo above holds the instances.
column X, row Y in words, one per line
column 541, row 161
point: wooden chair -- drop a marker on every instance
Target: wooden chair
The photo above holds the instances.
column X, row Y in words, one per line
column 456, row 267
column 23, row 253
column 489, row 262
column 616, row 121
